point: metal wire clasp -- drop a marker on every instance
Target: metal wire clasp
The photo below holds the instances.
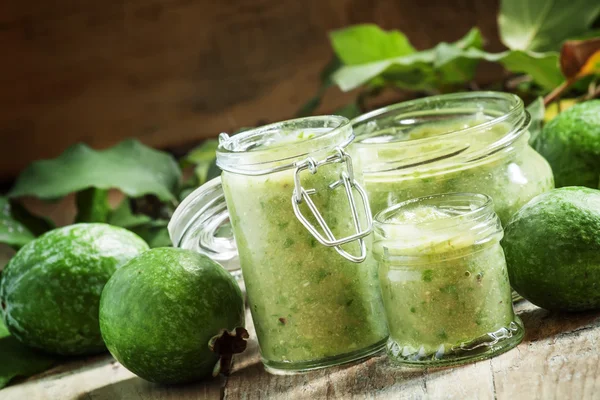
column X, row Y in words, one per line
column 301, row 195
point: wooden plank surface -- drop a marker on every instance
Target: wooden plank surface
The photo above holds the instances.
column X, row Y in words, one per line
column 171, row 72
column 558, row 359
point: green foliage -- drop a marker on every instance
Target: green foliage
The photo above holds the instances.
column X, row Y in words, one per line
column 12, row 232
column 361, row 44
column 138, row 171
column 447, row 64
column 92, row 205
column 131, row 167
column 153, row 231
column 19, row 360
column 17, row 226
column 124, row 217
column 413, row 69
column 532, row 30
column 541, row 67
column 534, row 25
column 36, row 225
column 203, row 157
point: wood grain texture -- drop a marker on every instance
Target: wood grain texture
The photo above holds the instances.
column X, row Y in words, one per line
column 558, row 359
column 170, row 72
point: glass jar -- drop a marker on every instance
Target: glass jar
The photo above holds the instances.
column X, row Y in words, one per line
column 463, row 142
column 444, row 280
column 302, row 225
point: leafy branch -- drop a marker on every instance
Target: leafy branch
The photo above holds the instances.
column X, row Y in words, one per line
column 150, row 180
column 533, row 31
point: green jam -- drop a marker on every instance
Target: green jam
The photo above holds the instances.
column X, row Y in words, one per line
column 310, row 306
column 446, row 294
column 435, row 157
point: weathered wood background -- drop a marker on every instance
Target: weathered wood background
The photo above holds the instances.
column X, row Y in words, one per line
column 170, row 72
column 558, row 359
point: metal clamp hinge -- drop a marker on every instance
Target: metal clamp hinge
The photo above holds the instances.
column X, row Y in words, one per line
column 301, row 195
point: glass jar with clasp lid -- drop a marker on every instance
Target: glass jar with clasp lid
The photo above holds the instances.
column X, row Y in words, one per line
column 302, row 225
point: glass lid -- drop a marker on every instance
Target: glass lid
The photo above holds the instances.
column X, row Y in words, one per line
column 201, row 223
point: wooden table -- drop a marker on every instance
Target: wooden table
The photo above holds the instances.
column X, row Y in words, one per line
column 559, row 359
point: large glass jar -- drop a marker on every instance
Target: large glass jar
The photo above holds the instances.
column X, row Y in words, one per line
column 444, row 281
column 302, row 224
column 464, row 142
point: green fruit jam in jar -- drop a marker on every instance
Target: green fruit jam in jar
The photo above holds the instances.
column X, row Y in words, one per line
column 444, row 280
column 463, row 142
column 302, row 228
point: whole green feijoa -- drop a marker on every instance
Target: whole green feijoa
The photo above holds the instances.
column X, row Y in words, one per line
column 552, row 248
column 571, row 144
column 50, row 290
column 172, row 316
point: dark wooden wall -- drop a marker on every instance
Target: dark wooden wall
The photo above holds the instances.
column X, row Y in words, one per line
column 171, row 72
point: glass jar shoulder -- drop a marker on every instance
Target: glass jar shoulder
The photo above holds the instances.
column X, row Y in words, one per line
column 511, row 178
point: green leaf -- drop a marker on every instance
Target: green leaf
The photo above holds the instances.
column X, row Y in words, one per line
column 447, row 64
column 543, row 68
column 36, row 224
column 417, row 70
column 542, row 25
column 12, row 232
column 155, row 234
column 364, row 43
column 592, row 34
column 130, row 166
column 537, row 111
column 202, row 157
column 124, row 217
column 351, row 77
column 451, row 65
column 153, row 231
column 185, row 192
column 19, row 360
column 92, row 205
column 213, row 171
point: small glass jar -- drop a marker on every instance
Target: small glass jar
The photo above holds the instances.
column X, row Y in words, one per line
column 444, row 281
column 302, row 225
column 463, row 142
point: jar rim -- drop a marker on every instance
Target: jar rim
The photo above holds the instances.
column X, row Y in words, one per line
column 473, row 208
column 475, row 224
column 515, row 103
column 240, row 153
column 388, row 128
